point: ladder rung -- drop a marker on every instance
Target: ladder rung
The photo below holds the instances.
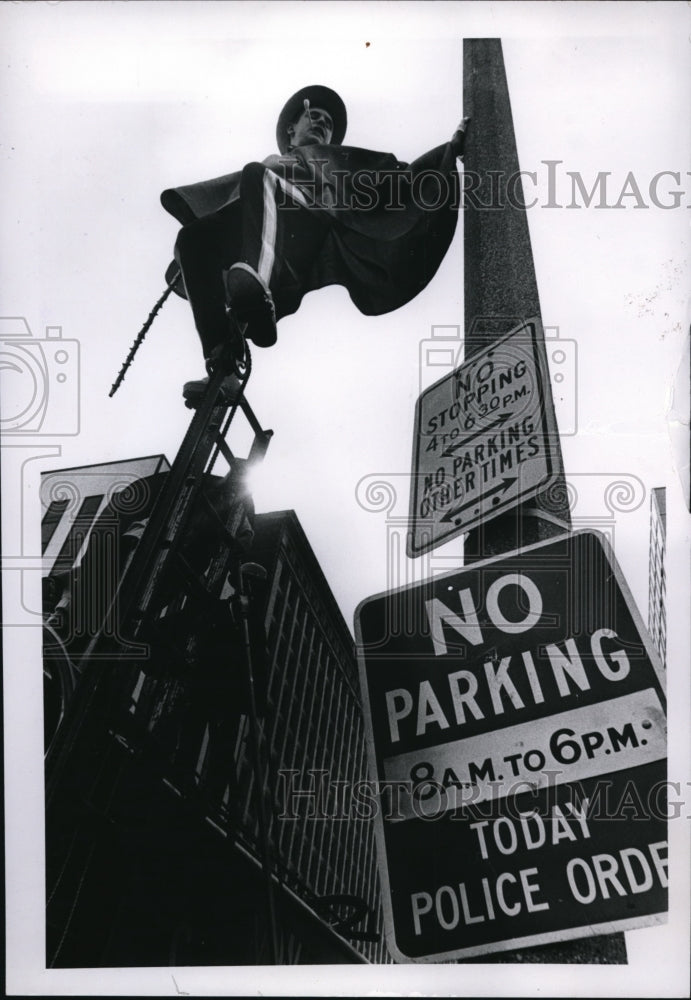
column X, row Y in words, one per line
column 224, row 449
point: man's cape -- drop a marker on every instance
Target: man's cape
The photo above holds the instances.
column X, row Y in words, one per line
column 387, row 234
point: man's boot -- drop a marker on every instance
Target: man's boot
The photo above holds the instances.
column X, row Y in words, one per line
column 252, row 303
column 193, row 392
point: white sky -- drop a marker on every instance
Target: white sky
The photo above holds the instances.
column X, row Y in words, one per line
column 106, row 104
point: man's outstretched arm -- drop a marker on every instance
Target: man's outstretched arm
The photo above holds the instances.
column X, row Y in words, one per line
column 430, row 160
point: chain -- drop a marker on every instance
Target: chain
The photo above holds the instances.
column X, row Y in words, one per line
column 143, row 332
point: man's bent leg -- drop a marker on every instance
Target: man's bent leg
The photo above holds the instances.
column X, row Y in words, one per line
column 248, row 279
column 271, row 237
column 278, row 228
column 204, row 248
column 280, row 241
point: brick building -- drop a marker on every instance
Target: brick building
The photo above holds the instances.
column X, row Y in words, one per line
column 154, row 844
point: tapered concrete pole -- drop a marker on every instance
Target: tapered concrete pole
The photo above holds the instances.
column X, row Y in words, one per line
column 501, row 291
column 500, row 283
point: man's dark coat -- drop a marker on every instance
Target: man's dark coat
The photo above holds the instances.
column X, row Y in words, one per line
column 389, row 223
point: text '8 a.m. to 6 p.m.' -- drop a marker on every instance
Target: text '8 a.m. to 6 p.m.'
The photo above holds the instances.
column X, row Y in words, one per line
column 517, row 736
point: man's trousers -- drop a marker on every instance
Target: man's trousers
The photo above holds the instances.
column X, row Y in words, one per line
column 271, row 229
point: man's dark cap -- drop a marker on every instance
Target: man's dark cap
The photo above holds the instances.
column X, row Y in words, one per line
column 319, row 97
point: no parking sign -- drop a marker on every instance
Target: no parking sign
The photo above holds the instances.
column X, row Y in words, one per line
column 516, row 725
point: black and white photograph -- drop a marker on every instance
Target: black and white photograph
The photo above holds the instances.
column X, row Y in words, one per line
column 344, row 429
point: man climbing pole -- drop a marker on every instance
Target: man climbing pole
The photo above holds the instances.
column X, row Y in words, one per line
column 255, row 241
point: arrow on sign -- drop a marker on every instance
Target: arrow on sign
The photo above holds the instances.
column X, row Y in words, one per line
column 501, row 487
column 484, row 430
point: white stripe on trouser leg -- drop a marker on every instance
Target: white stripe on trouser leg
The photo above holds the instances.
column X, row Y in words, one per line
column 294, row 191
column 268, row 250
column 270, row 220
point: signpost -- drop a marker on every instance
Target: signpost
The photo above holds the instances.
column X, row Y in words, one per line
column 516, row 733
column 485, row 439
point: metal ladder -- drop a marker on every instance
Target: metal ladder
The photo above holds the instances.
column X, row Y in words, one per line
column 157, row 551
column 137, row 599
